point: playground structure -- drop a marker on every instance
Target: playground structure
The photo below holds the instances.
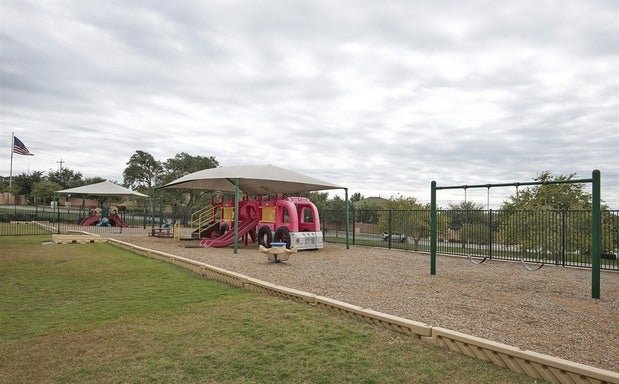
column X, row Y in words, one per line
column 293, row 221
column 595, row 219
column 104, row 218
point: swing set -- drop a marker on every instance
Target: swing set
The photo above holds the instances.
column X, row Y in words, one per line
column 466, row 240
column 595, row 227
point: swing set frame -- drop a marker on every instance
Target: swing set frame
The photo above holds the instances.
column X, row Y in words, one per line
column 596, row 220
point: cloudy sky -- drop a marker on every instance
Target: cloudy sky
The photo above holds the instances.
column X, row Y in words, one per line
column 381, row 97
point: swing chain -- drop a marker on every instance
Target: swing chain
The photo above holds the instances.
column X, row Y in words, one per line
column 466, row 222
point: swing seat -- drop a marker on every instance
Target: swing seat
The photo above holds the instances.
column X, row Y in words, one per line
column 468, row 256
column 524, row 264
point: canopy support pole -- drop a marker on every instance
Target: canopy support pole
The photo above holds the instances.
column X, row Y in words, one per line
column 236, row 216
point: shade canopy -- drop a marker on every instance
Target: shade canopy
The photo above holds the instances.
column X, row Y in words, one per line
column 258, row 180
column 105, row 188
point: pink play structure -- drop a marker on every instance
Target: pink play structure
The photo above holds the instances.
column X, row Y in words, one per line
column 113, row 219
column 293, row 221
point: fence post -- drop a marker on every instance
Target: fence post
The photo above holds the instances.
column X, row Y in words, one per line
column 563, row 235
column 58, row 215
column 322, row 226
column 354, row 227
column 433, row 228
column 596, row 228
column 389, row 227
column 347, row 202
column 490, row 234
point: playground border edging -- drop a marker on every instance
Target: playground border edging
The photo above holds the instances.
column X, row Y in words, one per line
column 532, row 364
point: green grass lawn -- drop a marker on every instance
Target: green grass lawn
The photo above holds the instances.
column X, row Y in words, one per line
column 93, row 313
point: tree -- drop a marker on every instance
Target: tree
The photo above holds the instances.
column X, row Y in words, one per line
column 610, row 236
column 320, row 199
column 550, row 196
column 91, row 180
column 43, row 191
column 142, row 171
column 65, row 178
column 367, row 212
column 471, row 221
column 183, row 164
column 534, row 218
column 180, row 165
column 356, row 197
column 466, row 212
column 334, row 211
column 24, row 183
column 407, row 216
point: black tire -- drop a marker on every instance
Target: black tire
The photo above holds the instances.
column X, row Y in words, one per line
column 223, row 229
column 282, row 235
column 265, row 236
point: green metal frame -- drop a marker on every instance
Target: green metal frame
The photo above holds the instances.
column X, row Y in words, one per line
column 596, row 218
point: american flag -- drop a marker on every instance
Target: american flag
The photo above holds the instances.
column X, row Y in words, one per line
column 20, row 148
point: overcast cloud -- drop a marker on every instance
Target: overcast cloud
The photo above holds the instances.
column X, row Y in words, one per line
column 379, row 97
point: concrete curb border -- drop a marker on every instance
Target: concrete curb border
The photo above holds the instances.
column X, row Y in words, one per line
column 532, row 364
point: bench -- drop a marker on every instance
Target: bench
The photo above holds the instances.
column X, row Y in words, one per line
column 161, row 232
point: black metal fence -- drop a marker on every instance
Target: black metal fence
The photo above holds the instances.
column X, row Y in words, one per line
column 34, row 220
column 39, row 219
column 561, row 237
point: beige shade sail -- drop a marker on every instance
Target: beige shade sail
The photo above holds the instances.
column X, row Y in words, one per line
column 104, row 188
column 257, row 179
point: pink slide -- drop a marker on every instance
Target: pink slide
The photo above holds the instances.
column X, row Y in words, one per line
column 91, row 220
column 117, row 221
column 228, row 238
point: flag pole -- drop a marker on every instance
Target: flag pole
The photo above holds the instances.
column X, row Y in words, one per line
column 11, row 148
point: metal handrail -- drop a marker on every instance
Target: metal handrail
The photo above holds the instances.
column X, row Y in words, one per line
column 201, row 218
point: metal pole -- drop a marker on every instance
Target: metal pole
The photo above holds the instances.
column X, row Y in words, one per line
column 58, row 212
column 596, row 227
column 236, row 216
column 570, row 181
column 490, row 234
column 563, row 235
column 433, row 228
column 390, row 227
column 11, row 171
column 152, row 211
column 347, row 218
column 354, row 226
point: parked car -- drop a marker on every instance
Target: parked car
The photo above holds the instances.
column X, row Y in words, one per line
column 396, row 236
column 609, row 255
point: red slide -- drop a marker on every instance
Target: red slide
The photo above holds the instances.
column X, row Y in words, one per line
column 228, row 238
column 117, row 221
column 91, row 220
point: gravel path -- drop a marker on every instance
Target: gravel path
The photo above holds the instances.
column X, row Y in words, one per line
column 547, row 311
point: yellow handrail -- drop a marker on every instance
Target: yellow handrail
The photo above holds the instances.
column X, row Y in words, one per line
column 201, row 218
